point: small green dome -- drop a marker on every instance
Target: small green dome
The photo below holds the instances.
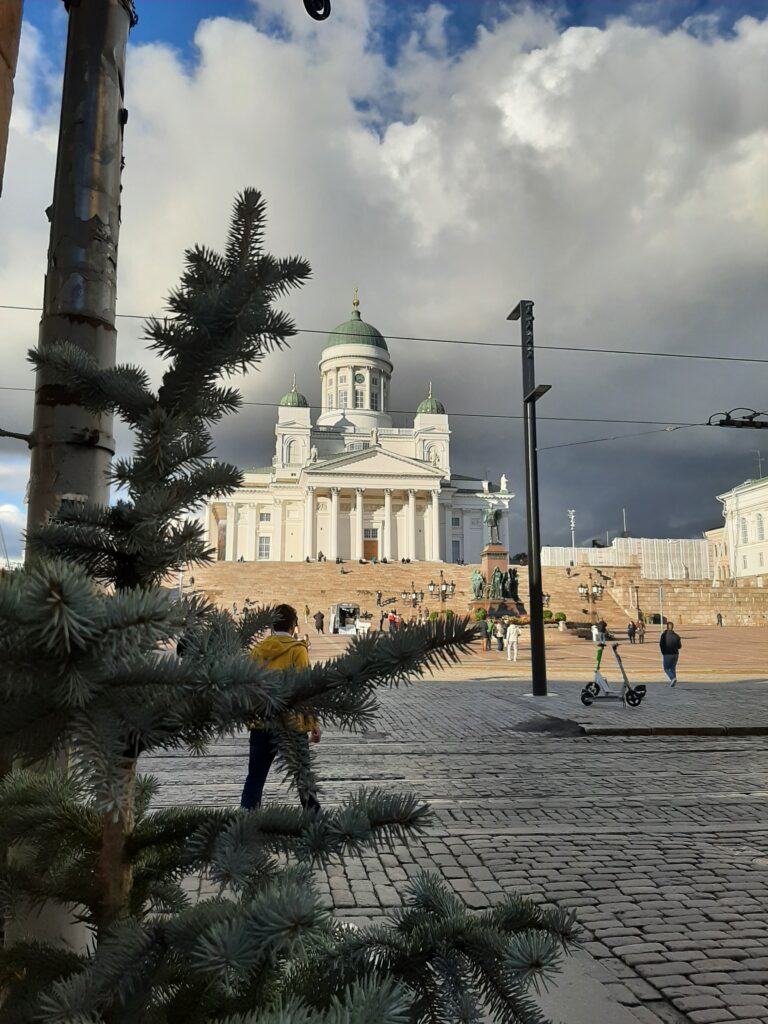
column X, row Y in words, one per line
column 294, row 398
column 431, row 405
column 356, row 331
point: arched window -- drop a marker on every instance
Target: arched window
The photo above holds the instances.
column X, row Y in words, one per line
column 292, row 452
column 759, row 526
column 743, row 531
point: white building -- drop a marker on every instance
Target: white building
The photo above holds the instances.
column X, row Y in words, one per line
column 352, row 485
column 745, row 541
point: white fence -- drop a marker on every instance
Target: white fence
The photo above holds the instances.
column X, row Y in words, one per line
column 655, row 558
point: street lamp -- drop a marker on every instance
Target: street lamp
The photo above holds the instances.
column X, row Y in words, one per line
column 451, row 588
column 421, row 597
column 583, row 590
column 431, row 586
column 403, row 595
column 523, row 312
column 545, row 599
column 572, row 522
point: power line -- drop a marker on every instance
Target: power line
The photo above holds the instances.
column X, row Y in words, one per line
column 581, row 349
column 620, row 437
column 475, row 415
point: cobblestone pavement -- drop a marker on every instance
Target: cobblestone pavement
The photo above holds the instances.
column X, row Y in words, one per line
column 660, row 843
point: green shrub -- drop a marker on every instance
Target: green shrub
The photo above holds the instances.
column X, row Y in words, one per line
column 547, row 615
column 560, row 616
column 434, row 616
column 481, row 614
column 448, row 613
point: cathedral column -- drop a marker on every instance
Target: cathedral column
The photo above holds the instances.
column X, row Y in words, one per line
column 276, row 550
column 334, row 552
column 387, row 539
column 309, row 524
column 435, row 526
column 357, row 544
column 250, row 544
column 411, row 525
column 231, row 542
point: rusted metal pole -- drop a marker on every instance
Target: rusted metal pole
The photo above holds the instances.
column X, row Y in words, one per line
column 71, row 447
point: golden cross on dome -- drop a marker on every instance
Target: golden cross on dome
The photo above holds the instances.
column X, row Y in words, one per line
column 356, row 301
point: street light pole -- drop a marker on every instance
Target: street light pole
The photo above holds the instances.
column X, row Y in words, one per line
column 572, row 521
column 523, row 312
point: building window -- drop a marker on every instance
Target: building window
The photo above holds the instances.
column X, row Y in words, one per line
column 456, row 550
column 744, row 561
column 359, row 398
column 292, row 453
column 264, row 545
column 342, row 399
column 265, row 517
column 374, row 381
column 455, row 521
column 370, row 533
column 743, row 530
column 760, row 559
column 358, row 446
column 330, row 400
column 759, row 526
column 476, row 521
column 342, row 378
column 375, row 401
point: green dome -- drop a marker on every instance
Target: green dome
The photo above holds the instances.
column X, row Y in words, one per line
column 431, row 405
column 356, row 331
column 294, row 398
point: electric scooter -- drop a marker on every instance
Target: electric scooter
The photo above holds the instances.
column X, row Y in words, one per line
column 599, row 689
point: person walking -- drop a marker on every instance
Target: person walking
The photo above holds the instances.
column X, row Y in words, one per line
column 278, row 651
column 319, row 622
column 511, row 640
column 602, row 630
column 499, row 632
column 631, row 631
column 378, row 599
column 719, row 618
column 488, row 633
column 641, row 631
column 595, row 633
column 670, row 644
column 306, row 614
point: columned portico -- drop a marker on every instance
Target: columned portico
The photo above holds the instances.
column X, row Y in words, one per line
column 277, row 530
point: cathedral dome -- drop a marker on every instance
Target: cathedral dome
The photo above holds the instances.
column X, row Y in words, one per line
column 294, row 398
column 356, row 331
column 430, row 405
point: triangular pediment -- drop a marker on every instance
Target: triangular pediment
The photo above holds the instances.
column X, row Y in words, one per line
column 373, row 462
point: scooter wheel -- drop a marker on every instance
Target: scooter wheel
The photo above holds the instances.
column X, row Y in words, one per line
column 586, row 698
column 633, row 699
column 592, row 688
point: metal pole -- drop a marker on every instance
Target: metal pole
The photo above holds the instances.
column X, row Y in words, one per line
column 524, row 312
column 71, row 447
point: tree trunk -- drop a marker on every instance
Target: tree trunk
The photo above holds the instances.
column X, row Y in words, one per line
column 114, row 873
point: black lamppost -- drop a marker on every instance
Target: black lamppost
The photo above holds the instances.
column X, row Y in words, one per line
column 545, row 600
column 431, row 587
column 403, row 595
column 451, row 588
column 523, row 312
column 421, row 597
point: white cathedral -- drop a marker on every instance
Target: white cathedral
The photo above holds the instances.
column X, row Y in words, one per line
column 352, row 485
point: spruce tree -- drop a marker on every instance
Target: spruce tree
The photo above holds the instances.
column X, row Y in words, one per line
column 85, row 676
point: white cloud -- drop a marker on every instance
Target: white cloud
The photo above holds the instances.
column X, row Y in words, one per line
column 614, row 175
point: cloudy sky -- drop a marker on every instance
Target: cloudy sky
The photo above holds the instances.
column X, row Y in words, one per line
column 607, row 160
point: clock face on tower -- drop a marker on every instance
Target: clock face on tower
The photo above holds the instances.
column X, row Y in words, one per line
column 359, row 378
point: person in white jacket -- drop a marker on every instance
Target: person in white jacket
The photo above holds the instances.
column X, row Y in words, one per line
column 511, row 640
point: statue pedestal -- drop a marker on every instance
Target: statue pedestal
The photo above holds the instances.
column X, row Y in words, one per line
column 495, row 556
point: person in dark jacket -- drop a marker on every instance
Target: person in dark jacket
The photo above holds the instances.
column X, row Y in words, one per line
column 670, row 644
column 319, row 621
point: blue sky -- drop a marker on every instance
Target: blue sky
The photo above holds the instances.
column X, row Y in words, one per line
column 175, row 21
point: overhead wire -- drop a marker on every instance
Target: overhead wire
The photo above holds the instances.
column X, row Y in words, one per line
column 582, row 349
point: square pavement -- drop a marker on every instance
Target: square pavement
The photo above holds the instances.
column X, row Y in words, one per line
column 658, row 841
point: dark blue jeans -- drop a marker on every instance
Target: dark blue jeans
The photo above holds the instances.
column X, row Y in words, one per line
column 670, row 665
column 262, row 753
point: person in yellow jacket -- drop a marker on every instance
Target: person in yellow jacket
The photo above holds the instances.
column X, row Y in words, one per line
column 278, row 651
